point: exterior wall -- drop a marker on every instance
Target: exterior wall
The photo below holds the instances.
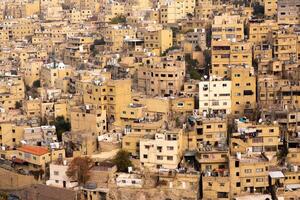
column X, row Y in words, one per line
column 243, row 94
column 161, row 152
column 161, row 78
column 11, row 134
column 248, row 177
column 211, row 130
column 58, row 177
column 215, row 96
column 111, row 96
column 226, row 54
column 93, row 121
column 228, row 27
column 158, row 41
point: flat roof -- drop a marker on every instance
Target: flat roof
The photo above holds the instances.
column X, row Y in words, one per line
column 36, row 150
column 276, row 174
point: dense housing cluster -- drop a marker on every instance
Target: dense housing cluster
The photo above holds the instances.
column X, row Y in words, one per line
column 150, row 99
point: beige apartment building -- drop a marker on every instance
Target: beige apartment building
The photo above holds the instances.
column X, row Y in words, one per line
column 109, row 95
column 288, row 12
column 243, row 90
column 115, row 36
column 211, row 131
column 270, row 7
column 256, row 138
column 285, row 45
column 32, row 71
column 77, row 50
column 158, row 41
column 86, row 118
column 226, row 54
column 228, row 27
column 11, row 133
column 172, row 11
column 53, row 72
column 248, row 174
column 36, row 157
column 204, row 9
column 261, row 31
column 12, row 90
column 163, row 151
column 161, row 76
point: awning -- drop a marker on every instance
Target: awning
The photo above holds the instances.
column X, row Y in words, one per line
column 276, row 174
column 292, row 186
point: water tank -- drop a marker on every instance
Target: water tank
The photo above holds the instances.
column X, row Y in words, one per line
column 239, row 155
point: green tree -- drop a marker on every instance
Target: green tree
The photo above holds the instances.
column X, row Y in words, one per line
column 79, row 169
column 122, row 160
column 61, row 126
column 258, row 10
column 119, row 20
column 192, row 66
column 18, row 105
column 36, row 84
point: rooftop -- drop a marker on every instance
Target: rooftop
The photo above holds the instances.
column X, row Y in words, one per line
column 36, row 150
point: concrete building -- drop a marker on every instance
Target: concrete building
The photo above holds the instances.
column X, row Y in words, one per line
column 161, row 76
column 58, row 177
column 228, row 27
column 163, row 151
column 215, row 96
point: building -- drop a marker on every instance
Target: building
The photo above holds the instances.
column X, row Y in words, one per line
column 215, row 96
column 36, row 157
column 228, row 27
column 287, row 12
column 109, row 95
column 161, row 76
column 87, row 118
column 58, row 177
column 163, row 151
column 174, row 10
column 158, row 41
column 226, row 54
column 243, row 90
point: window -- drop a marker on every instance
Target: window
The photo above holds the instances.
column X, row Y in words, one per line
column 169, row 157
column 238, row 184
column 248, row 171
column 145, row 156
column 259, row 179
column 248, row 180
column 170, row 148
column 56, row 173
column 259, row 170
column 159, row 157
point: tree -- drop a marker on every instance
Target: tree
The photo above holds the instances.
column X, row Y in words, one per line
column 36, row 84
column 122, row 161
column 61, row 126
column 258, row 10
column 79, row 169
column 192, row 66
column 18, row 105
column 119, row 19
